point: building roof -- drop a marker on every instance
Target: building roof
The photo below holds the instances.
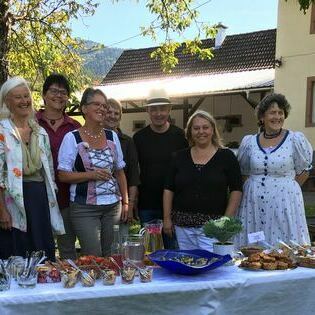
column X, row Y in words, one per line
column 193, row 85
column 238, row 53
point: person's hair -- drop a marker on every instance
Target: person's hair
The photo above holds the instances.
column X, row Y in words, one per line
column 216, row 138
column 266, row 103
column 57, row 79
column 88, row 95
column 6, row 87
column 111, row 102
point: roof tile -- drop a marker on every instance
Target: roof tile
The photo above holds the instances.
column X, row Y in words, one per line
column 241, row 52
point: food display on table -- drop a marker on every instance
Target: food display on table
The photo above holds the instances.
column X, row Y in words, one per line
column 109, row 277
column 87, row 263
column 48, row 274
column 306, row 261
column 303, row 254
column 268, row 261
column 69, row 278
column 128, row 274
column 249, row 250
column 146, row 274
column 188, row 262
column 88, row 279
column 192, row 261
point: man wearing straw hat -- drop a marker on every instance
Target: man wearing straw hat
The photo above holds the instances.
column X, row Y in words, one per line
column 155, row 144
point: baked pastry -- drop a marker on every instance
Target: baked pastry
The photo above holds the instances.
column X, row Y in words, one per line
column 267, row 259
column 269, row 265
column 254, row 265
column 254, row 257
column 282, row 265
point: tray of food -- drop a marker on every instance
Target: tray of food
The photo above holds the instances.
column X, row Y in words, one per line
column 249, row 250
column 188, row 262
column 268, row 261
column 306, row 261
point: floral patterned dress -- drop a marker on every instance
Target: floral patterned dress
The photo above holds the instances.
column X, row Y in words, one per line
column 272, row 199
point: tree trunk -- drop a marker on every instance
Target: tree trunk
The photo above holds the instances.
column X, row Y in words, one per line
column 4, row 40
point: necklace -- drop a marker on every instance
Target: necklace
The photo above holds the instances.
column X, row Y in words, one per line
column 93, row 136
column 272, row 135
column 53, row 121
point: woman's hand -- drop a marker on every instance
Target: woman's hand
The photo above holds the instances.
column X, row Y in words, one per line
column 101, row 174
column 5, row 220
column 125, row 213
column 168, row 227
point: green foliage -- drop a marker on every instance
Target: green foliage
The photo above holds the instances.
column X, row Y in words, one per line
column 222, row 229
column 166, row 53
column 309, row 210
column 175, row 17
column 305, row 4
column 134, row 227
column 40, row 41
column 36, row 39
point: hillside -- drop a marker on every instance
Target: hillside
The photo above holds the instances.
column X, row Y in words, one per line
column 98, row 59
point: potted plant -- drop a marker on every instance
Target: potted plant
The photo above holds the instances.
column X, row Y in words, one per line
column 223, row 229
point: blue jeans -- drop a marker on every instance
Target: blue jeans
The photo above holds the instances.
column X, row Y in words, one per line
column 147, row 215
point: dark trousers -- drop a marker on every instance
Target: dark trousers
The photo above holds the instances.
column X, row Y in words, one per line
column 39, row 234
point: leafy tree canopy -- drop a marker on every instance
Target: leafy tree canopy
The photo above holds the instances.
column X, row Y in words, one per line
column 35, row 38
column 38, row 40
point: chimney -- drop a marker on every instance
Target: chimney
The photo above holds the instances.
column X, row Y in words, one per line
column 219, row 39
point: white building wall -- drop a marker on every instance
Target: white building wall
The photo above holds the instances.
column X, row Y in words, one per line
column 217, row 106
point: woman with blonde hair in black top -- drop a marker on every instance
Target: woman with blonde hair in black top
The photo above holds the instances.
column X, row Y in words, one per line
column 198, row 182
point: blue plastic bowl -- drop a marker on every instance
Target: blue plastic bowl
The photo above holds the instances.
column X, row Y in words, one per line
column 164, row 258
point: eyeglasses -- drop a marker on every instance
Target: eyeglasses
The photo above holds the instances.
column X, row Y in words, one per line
column 97, row 104
column 55, row 92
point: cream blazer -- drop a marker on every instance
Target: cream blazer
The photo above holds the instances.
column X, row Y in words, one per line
column 11, row 177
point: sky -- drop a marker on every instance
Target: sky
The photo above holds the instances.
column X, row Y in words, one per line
column 118, row 24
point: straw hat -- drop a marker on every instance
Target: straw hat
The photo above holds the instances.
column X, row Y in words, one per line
column 157, row 97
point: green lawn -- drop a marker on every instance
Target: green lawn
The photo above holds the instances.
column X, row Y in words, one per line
column 310, row 210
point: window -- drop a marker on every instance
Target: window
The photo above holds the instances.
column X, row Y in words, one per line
column 310, row 102
column 137, row 125
column 312, row 31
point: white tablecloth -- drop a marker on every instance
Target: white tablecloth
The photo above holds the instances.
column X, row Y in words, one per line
column 226, row 290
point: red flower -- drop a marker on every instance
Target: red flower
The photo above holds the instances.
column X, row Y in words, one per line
column 1, row 137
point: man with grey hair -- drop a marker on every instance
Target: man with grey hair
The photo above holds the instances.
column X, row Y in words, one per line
column 155, row 144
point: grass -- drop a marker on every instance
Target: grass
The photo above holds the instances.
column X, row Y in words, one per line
column 310, row 210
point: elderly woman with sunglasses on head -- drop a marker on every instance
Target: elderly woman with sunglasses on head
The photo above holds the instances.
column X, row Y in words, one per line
column 198, row 182
column 91, row 160
column 28, row 204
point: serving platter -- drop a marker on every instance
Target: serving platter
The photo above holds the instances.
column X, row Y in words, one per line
column 186, row 261
column 263, row 270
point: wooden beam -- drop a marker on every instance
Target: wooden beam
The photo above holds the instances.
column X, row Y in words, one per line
column 133, row 104
column 197, row 105
column 185, row 111
column 245, row 96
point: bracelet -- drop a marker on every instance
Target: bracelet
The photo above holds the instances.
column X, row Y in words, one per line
column 125, row 203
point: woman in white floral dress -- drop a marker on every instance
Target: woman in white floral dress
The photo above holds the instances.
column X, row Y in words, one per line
column 274, row 164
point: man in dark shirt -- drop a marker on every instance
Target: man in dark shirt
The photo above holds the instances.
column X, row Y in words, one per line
column 56, row 91
column 155, row 144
